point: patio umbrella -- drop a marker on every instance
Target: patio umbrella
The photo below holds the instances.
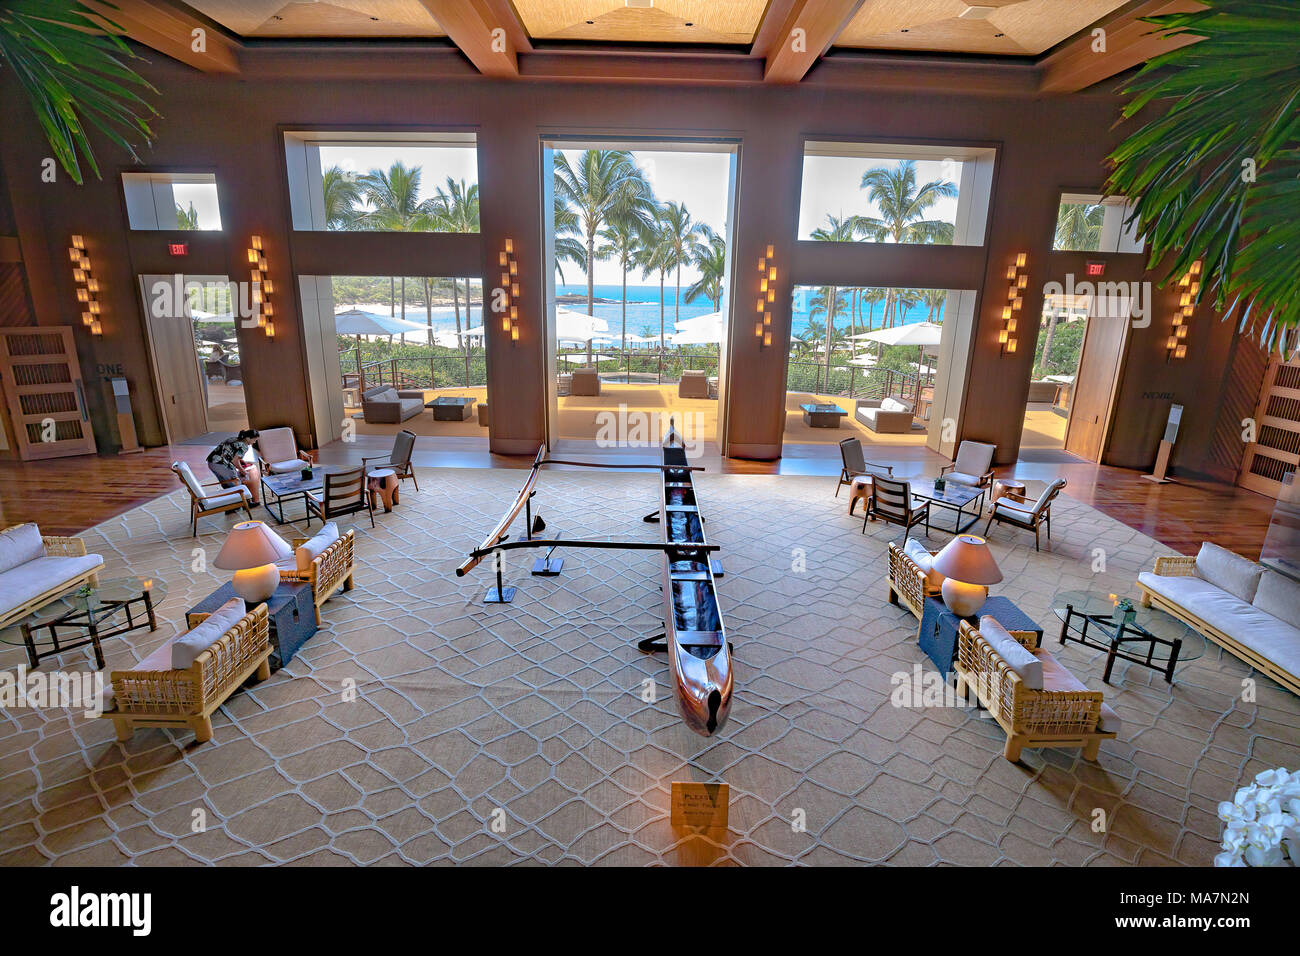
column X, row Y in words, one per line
column 919, row 334
column 699, row 330
column 577, row 326
column 359, row 323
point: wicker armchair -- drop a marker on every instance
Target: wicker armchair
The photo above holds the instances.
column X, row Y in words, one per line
column 187, row 698
column 907, row 582
column 1030, row 718
column 330, row 570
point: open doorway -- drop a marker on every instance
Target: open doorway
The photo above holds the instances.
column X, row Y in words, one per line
column 1080, row 349
column 195, row 357
column 638, row 236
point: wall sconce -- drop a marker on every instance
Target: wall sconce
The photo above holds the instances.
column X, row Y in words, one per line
column 1015, row 302
column 766, row 295
column 510, row 286
column 261, row 287
column 1176, row 343
column 87, row 285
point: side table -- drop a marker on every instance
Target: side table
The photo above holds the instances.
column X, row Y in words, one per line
column 382, row 482
column 290, row 610
column 939, row 627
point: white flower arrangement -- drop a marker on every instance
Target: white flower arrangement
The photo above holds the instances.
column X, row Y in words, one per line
column 1263, row 822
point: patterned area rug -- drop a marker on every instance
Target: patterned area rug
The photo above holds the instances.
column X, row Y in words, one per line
column 518, row 733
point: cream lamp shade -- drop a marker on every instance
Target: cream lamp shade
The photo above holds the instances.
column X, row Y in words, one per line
column 968, row 568
column 251, row 550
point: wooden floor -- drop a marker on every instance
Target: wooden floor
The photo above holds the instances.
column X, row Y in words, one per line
column 66, row 496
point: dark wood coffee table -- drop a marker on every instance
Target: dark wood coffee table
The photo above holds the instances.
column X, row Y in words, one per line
column 291, row 486
column 451, row 408
column 955, row 497
column 822, row 416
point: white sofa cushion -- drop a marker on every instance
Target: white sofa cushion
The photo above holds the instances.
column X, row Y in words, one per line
column 962, row 478
column 19, row 585
column 892, row 405
column 924, row 560
column 1057, row 677
column 234, row 496
column 310, row 550
column 1018, row 657
column 284, row 467
column 1278, row 595
column 1261, row 632
column 187, row 647
column 1228, row 570
column 20, row 544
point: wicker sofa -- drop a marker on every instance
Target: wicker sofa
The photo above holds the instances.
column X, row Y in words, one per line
column 909, row 583
column 1242, row 606
column 1032, row 696
column 887, row 416
column 385, row 405
column 326, row 572
column 36, row 568
column 155, row 694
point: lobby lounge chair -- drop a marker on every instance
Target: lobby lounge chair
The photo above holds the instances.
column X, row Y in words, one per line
column 909, row 582
column 854, row 466
column 399, row 459
column 203, row 503
column 277, row 452
column 344, row 493
column 36, row 568
column 884, row 416
column 586, row 381
column 973, row 465
column 1249, row 610
column 1035, row 700
column 324, row 561
column 892, row 501
column 156, row 693
column 385, row 405
column 1014, row 509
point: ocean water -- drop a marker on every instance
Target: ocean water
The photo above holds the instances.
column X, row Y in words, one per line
column 643, row 310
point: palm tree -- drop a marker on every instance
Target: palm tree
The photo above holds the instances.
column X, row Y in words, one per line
column 902, row 205
column 187, row 218
column 827, row 301
column 455, row 209
column 710, row 255
column 395, row 206
column 342, row 196
column 933, row 300
column 603, row 185
column 654, row 258
column 836, row 230
column 621, row 238
column 568, row 248
column 1078, row 226
column 678, row 237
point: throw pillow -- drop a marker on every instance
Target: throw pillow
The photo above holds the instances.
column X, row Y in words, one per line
column 187, row 648
column 1228, row 571
column 311, row 550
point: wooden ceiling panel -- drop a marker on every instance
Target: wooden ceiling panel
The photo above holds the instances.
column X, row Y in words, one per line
column 1014, row 28
column 665, row 21
column 335, row 18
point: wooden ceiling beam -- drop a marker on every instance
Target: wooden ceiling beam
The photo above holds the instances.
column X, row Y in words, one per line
column 473, row 24
column 1077, row 65
column 170, row 30
column 769, row 27
column 809, row 29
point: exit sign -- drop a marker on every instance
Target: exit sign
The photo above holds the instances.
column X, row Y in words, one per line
column 1096, row 268
column 178, row 248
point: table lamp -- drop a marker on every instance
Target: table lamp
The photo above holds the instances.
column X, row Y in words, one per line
column 251, row 551
column 968, row 568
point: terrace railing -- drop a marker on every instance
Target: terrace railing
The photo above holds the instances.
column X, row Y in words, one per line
column 853, row 382
column 432, row 370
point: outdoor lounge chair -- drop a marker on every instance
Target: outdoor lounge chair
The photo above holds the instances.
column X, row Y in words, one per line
column 586, row 381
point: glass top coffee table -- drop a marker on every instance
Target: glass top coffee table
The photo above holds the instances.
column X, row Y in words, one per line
column 1140, row 635
column 955, row 497
column 451, row 408
column 816, row 415
column 86, row 615
column 291, row 486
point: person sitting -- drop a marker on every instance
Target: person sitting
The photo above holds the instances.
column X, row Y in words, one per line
column 226, row 461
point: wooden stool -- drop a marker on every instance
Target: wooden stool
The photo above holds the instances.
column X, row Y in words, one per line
column 483, row 414
column 860, row 489
column 1005, row 486
column 383, row 483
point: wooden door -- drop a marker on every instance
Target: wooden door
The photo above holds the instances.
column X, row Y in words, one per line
column 1275, row 453
column 1092, row 397
column 176, row 368
column 41, row 379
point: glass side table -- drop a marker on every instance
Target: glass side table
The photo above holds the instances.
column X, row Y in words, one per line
column 88, row 614
column 1144, row 636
